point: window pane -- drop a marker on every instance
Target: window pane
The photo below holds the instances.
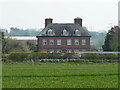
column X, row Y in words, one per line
column 58, row 42
column 77, row 32
column 44, row 42
column 76, row 41
column 65, row 33
column 50, row 32
column 51, row 42
column 69, row 42
column 83, row 42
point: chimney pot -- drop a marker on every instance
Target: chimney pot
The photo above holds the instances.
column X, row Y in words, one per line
column 47, row 21
column 78, row 20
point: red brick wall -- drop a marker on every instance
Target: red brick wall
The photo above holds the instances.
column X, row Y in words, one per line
column 64, row 44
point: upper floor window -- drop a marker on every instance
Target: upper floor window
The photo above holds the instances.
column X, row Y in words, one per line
column 51, row 42
column 44, row 42
column 59, row 42
column 65, row 33
column 76, row 41
column 69, row 42
column 50, row 32
column 83, row 42
column 77, row 32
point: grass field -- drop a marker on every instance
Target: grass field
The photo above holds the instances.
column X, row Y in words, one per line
column 60, row 75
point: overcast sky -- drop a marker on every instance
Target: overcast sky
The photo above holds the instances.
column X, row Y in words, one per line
column 97, row 15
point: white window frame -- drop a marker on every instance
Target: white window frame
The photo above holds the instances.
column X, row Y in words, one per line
column 59, row 42
column 65, row 33
column 51, row 42
column 76, row 32
column 76, row 41
column 44, row 42
column 83, row 42
column 69, row 42
column 50, row 32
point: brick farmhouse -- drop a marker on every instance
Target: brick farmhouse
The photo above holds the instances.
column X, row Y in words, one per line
column 63, row 37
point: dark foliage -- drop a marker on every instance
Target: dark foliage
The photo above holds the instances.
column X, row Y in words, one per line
column 112, row 40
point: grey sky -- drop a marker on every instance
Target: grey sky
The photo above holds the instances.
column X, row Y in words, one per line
column 96, row 14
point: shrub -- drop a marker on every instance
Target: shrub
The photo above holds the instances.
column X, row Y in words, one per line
column 5, row 57
column 69, row 55
column 90, row 56
column 38, row 56
column 107, row 56
column 18, row 56
column 99, row 56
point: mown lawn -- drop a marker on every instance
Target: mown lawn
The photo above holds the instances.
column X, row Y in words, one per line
column 60, row 75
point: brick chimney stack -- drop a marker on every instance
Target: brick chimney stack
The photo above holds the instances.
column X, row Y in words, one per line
column 47, row 21
column 78, row 20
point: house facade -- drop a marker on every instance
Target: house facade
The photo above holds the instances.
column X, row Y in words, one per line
column 63, row 37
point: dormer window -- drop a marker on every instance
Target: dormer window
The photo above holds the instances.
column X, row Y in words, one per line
column 77, row 32
column 50, row 32
column 65, row 33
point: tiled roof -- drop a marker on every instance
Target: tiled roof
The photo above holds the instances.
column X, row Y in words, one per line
column 58, row 28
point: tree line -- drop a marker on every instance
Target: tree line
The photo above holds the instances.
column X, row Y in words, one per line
column 112, row 40
column 12, row 45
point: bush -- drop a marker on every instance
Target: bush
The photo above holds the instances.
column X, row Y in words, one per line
column 90, row 56
column 5, row 57
column 52, row 57
column 107, row 56
column 19, row 56
column 99, row 56
column 39, row 55
column 69, row 56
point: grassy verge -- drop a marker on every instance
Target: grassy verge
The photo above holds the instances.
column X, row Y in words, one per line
column 60, row 75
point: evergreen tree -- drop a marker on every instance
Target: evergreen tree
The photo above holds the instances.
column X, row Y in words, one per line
column 112, row 40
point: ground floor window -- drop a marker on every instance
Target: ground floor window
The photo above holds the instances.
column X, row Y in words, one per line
column 83, row 42
column 51, row 42
column 44, row 42
column 69, row 42
column 76, row 42
column 59, row 42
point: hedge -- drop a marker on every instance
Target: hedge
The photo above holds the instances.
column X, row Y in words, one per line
column 38, row 56
column 99, row 56
column 34, row 56
column 90, row 56
column 19, row 56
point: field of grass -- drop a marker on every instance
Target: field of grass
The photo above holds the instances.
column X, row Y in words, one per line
column 60, row 75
